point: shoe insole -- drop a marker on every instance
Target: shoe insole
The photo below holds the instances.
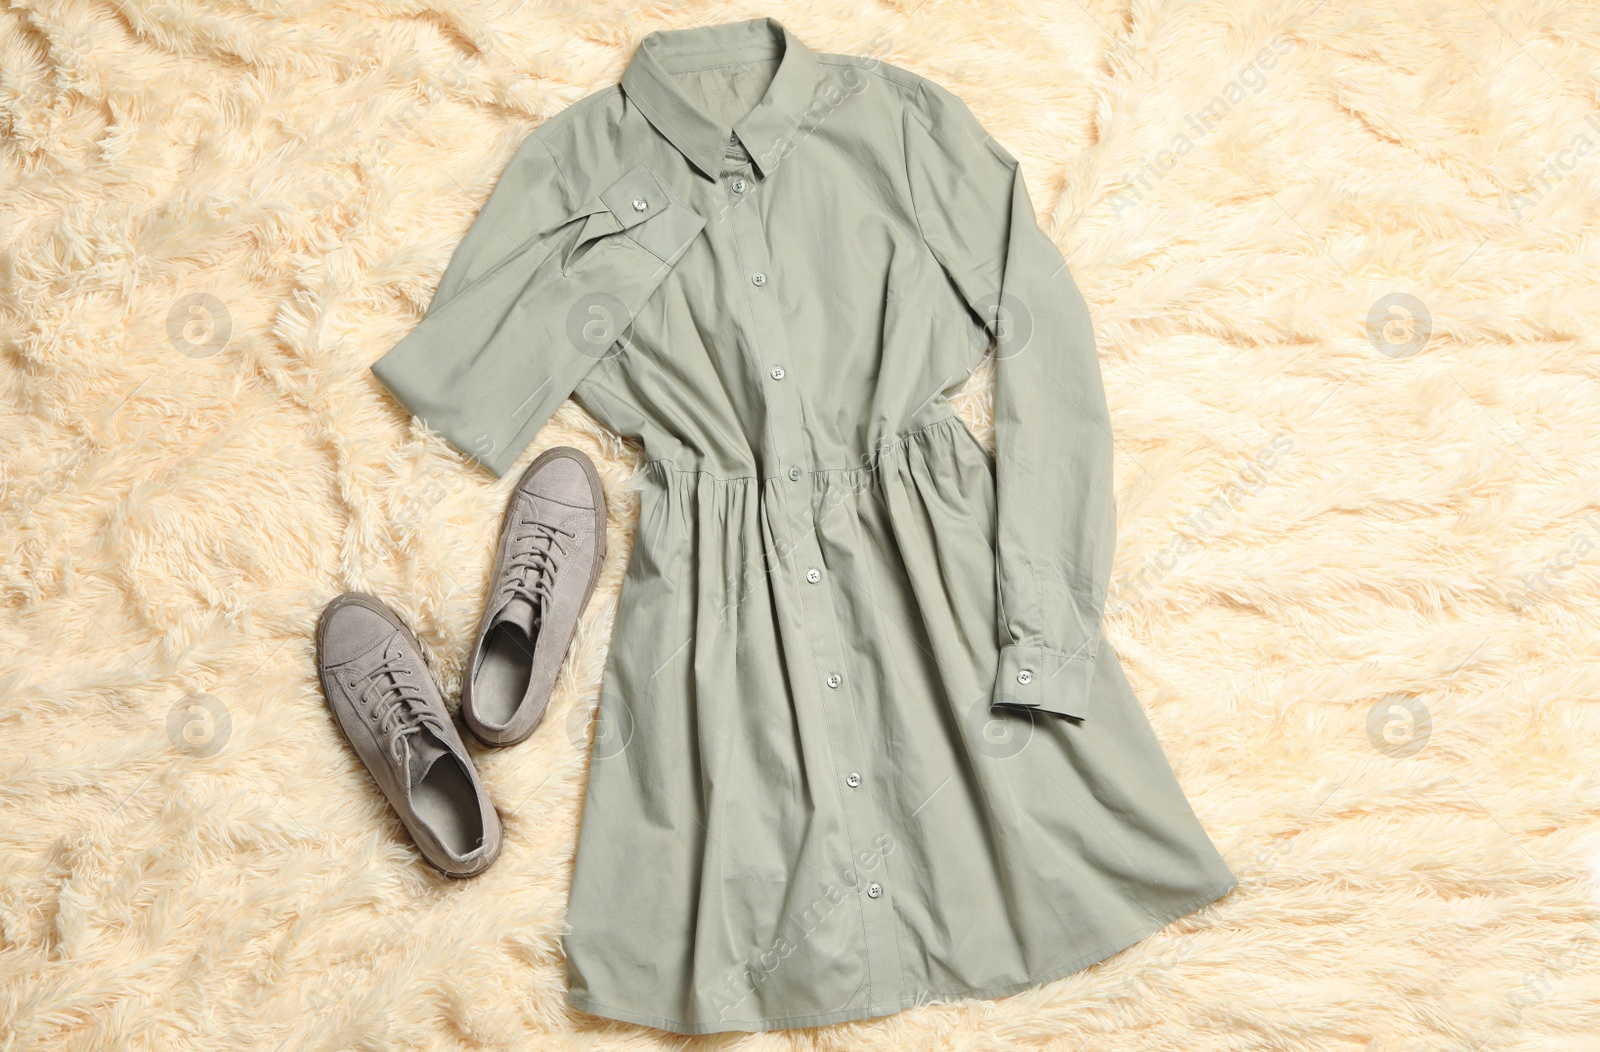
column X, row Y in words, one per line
column 445, row 801
column 502, row 678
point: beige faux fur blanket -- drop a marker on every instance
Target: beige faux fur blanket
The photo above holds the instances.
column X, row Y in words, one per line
column 1341, row 258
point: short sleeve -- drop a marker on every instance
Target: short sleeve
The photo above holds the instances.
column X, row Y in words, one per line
column 540, row 287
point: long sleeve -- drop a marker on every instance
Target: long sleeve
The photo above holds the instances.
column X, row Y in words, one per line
column 540, row 289
column 1056, row 520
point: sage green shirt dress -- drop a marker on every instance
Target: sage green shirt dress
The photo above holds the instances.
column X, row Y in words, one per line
column 861, row 745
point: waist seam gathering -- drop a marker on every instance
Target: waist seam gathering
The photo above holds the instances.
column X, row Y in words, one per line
column 666, row 466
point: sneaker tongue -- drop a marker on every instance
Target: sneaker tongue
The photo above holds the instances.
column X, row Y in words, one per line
column 518, row 611
column 422, row 748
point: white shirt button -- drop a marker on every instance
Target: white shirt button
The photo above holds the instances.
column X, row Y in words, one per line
column 874, row 890
column 834, row 680
column 1025, row 676
column 758, row 279
column 852, row 780
column 777, row 372
column 813, row 575
column 639, row 204
column 739, row 185
column 794, row 474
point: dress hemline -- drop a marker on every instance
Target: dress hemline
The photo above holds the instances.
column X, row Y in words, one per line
column 627, row 1015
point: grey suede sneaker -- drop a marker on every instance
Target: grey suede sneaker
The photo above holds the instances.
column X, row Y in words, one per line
column 386, row 702
column 552, row 545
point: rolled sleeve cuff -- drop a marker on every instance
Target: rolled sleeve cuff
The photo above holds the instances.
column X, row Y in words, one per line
column 1039, row 677
column 652, row 215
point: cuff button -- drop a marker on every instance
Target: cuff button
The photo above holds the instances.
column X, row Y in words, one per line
column 1025, row 676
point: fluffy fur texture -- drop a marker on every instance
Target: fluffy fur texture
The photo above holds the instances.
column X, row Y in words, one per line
column 1334, row 545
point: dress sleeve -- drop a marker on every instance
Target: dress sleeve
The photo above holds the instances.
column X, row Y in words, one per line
column 539, row 290
column 1055, row 516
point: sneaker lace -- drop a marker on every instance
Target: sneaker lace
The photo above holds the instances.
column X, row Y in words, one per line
column 534, row 563
column 398, row 707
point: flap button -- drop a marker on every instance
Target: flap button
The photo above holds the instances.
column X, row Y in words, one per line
column 640, row 204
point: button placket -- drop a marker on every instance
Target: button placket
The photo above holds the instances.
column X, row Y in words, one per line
column 795, row 531
column 783, row 443
column 864, row 828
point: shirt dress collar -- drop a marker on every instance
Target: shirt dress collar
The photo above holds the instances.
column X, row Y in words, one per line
column 696, row 134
